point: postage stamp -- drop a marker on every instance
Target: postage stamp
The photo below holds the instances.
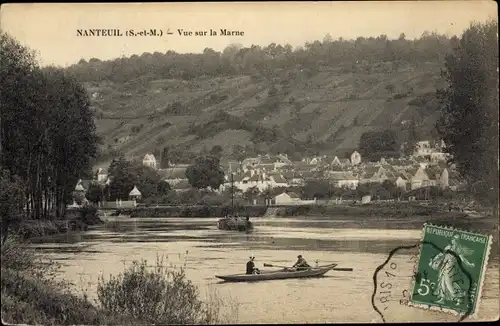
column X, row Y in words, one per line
column 450, row 270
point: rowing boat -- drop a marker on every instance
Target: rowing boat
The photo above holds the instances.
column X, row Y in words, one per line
column 279, row 274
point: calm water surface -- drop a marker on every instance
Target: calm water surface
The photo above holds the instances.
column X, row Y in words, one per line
column 206, row 251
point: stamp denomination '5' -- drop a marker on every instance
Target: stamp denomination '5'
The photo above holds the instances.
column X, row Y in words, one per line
column 450, row 271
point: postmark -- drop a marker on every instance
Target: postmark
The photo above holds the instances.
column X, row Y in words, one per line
column 450, row 270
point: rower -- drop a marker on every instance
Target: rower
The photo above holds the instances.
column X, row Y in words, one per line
column 251, row 269
column 301, row 263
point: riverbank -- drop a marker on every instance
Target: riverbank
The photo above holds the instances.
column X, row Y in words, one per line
column 32, row 294
column 374, row 210
column 75, row 220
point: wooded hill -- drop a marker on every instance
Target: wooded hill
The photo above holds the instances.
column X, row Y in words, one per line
column 318, row 98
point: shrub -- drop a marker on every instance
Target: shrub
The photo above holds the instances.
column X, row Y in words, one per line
column 157, row 295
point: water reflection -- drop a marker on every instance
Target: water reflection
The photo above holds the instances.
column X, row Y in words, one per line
column 206, row 251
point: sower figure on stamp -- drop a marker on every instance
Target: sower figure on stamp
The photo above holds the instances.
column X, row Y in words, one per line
column 446, row 264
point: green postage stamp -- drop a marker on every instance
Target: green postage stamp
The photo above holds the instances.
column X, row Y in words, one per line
column 450, row 270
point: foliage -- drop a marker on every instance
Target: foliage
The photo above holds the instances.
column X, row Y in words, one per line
column 32, row 294
column 216, row 151
column 11, row 201
column 164, row 159
column 319, row 189
column 374, row 144
column 47, row 132
column 127, row 174
column 265, row 61
column 469, row 117
column 158, row 296
column 205, row 172
column 95, row 193
column 251, row 193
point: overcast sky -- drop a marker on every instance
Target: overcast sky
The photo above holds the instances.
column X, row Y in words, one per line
column 51, row 29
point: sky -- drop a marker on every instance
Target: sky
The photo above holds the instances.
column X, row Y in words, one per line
column 51, row 29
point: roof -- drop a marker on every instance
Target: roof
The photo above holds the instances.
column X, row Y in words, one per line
column 278, row 178
column 134, row 192
column 102, row 171
column 149, row 157
column 265, row 166
column 345, row 161
column 341, row 175
column 291, row 194
column 433, row 172
column 370, row 171
column 284, row 159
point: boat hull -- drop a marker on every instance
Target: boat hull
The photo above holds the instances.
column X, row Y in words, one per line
column 278, row 275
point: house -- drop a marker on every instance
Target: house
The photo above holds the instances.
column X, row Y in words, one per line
column 401, row 182
column 355, row 158
column 101, row 175
column 373, row 174
column 342, row 179
column 423, row 148
column 294, row 178
column 149, row 160
column 278, row 180
column 271, row 162
column 262, row 180
column 418, row 178
column 287, row 198
column 342, row 162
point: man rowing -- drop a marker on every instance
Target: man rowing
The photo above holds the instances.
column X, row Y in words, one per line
column 301, row 263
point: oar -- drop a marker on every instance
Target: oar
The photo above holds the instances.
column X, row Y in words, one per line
column 271, row 265
column 342, row 269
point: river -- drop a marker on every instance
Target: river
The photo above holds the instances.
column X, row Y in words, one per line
column 206, row 251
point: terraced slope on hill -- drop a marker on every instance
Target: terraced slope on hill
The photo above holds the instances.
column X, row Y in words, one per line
column 327, row 111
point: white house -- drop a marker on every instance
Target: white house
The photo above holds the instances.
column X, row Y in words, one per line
column 423, row 148
column 355, row 158
column 149, row 160
column 342, row 179
column 102, row 175
column 287, row 198
column 401, row 182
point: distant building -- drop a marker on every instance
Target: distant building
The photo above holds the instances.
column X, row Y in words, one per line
column 135, row 194
column 342, row 179
column 149, row 160
column 287, row 198
column 102, row 175
column 355, row 158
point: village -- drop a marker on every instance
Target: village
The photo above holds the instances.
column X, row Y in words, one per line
column 278, row 175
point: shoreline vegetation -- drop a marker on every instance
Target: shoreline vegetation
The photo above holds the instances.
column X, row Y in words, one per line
column 32, row 294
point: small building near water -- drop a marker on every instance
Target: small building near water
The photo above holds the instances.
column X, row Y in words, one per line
column 287, row 198
column 135, row 194
column 366, row 199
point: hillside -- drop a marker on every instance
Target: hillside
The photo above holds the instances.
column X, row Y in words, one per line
column 297, row 108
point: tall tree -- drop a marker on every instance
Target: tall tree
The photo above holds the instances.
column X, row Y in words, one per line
column 469, row 118
column 164, row 159
column 11, row 201
column 205, row 172
column 47, row 131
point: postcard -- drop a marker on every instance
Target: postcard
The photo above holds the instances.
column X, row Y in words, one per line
column 249, row 162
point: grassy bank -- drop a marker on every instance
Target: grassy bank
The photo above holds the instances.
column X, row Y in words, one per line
column 31, row 294
column 75, row 220
column 356, row 211
column 194, row 211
